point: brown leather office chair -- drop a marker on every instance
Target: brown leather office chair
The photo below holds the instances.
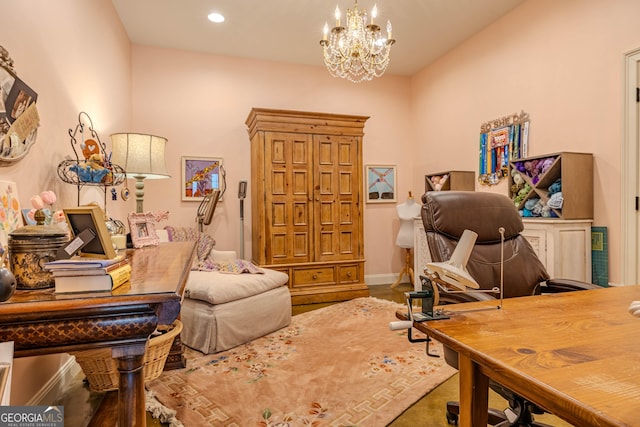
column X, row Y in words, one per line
column 446, row 214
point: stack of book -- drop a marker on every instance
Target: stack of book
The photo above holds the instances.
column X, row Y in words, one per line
column 82, row 274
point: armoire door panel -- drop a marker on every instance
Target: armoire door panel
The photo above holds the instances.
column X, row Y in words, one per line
column 346, row 213
column 278, row 214
column 325, row 151
column 327, row 240
column 346, row 154
column 301, row 245
column 347, row 244
column 278, row 182
column 277, row 150
column 346, row 183
column 326, row 213
column 301, row 214
column 300, row 182
column 300, row 151
column 278, row 246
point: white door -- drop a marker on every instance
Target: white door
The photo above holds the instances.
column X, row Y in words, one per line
column 630, row 202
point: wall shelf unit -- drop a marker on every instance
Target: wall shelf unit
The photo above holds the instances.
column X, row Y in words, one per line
column 450, row 180
column 558, row 185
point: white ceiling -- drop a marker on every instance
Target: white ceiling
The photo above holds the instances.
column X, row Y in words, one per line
column 290, row 30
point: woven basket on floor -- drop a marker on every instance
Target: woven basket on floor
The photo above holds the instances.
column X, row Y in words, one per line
column 101, row 369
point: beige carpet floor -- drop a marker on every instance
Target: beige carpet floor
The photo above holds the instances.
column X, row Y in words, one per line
column 338, row 365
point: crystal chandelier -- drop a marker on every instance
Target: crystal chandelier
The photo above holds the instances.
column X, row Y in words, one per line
column 358, row 51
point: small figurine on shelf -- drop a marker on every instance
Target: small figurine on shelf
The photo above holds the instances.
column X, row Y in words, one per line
column 92, row 171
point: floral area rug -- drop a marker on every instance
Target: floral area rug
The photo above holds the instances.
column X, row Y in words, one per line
column 336, row 366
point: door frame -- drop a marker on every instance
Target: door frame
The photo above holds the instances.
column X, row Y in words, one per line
column 629, row 163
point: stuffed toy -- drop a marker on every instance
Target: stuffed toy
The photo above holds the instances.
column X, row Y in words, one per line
column 438, row 181
column 90, row 148
column 92, row 170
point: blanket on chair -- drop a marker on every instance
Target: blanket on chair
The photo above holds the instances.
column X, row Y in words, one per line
column 205, row 244
column 237, row 266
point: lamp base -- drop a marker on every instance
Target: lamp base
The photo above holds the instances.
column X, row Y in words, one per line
column 139, row 193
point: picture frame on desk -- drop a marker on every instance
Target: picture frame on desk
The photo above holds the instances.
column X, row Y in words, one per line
column 143, row 229
column 91, row 217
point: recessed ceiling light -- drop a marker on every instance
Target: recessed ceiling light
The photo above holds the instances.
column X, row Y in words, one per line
column 216, row 17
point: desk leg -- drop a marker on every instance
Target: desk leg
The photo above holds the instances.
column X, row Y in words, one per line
column 131, row 399
column 474, row 393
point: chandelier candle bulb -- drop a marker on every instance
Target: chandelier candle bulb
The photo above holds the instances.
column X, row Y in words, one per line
column 374, row 13
column 337, row 16
column 389, row 30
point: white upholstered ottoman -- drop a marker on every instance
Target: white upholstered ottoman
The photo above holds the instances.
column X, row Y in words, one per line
column 222, row 310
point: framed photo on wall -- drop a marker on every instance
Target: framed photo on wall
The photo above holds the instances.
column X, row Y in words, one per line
column 381, row 183
column 200, row 176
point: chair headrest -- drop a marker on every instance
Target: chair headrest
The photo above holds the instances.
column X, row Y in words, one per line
column 451, row 212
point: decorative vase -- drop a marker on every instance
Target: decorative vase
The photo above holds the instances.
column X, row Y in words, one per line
column 30, row 247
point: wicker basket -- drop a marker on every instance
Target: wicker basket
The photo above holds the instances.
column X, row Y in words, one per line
column 101, row 369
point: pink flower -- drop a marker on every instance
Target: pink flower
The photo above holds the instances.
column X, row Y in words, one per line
column 58, row 216
column 48, row 197
column 37, row 202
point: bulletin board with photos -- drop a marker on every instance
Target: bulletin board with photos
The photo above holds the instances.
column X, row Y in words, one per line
column 19, row 118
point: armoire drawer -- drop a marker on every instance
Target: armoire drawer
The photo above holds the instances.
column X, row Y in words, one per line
column 348, row 273
column 313, row 276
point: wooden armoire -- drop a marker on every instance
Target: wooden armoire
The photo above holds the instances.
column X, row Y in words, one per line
column 306, row 201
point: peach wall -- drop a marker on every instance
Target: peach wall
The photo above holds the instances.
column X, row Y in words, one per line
column 76, row 56
column 200, row 103
column 561, row 62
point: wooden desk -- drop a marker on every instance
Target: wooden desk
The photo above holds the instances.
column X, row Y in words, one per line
column 575, row 354
column 42, row 322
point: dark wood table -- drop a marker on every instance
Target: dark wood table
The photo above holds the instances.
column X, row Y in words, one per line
column 42, row 322
column 575, row 354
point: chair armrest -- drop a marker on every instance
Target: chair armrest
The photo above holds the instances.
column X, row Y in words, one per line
column 554, row 286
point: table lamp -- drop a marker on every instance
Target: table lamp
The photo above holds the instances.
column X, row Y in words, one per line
column 142, row 157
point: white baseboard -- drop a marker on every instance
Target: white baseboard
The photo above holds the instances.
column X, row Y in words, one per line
column 381, row 279
column 56, row 386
